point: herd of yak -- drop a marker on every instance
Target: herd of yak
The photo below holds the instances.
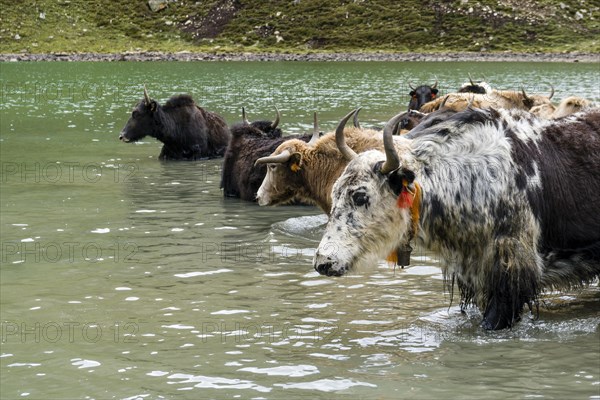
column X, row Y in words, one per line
column 503, row 185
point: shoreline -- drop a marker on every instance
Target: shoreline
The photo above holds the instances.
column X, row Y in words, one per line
column 266, row 57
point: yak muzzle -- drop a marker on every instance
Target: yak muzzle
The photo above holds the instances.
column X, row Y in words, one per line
column 123, row 138
column 327, row 265
column 328, row 270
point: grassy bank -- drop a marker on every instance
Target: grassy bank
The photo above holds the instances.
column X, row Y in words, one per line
column 106, row 26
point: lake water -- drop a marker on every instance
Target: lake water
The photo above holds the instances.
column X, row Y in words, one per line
column 123, row 277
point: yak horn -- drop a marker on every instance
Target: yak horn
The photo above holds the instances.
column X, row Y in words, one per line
column 277, row 118
column 444, row 100
column 392, row 162
column 551, row 91
column 340, row 141
column 471, row 100
column 524, row 94
column 471, row 80
column 245, row 117
column 435, row 84
column 146, row 97
column 355, row 119
column 411, row 86
column 315, row 135
column 284, row 156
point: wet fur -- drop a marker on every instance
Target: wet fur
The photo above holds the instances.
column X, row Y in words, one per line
column 319, row 167
column 187, row 131
column 240, row 177
column 495, row 98
column 510, row 202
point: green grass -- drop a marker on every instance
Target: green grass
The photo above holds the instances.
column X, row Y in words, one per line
column 77, row 26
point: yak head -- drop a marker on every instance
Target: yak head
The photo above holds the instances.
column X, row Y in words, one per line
column 366, row 220
column 142, row 121
column 267, row 128
column 480, row 87
column 281, row 182
column 421, row 95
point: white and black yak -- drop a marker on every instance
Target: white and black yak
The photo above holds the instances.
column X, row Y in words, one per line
column 187, row 131
column 511, row 204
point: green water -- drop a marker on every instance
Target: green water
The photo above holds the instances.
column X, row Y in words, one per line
column 123, row 277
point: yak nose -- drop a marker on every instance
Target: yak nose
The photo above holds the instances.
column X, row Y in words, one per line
column 323, row 268
column 122, row 137
column 324, row 265
column 326, row 268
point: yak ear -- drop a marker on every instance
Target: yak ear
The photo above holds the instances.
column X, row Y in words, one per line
column 399, row 178
column 295, row 162
column 412, row 93
column 434, row 91
column 153, row 105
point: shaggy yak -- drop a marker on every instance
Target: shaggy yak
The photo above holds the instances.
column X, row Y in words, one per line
column 305, row 172
column 187, row 131
column 250, row 141
column 510, row 202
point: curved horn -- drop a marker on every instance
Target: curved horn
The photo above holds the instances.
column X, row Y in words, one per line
column 280, row 158
column 245, row 117
column 340, row 141
column 355, row 119
column 392, row 162
column 435, row 84
column 524, row 94
column 551, row 91
column 146, row 97
column 444, row 100
column 411, row 86
column 277, row 118
column 315, row 135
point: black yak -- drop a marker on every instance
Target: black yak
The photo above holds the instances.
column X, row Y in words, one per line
column 421, row 95
column 187, row 131
column 249, row 142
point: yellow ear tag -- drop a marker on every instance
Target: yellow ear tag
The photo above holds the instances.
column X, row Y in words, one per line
column 295, row 167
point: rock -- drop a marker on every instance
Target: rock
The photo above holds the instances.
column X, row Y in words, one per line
column 157, row 5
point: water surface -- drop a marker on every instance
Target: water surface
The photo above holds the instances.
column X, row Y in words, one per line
column 124, row 277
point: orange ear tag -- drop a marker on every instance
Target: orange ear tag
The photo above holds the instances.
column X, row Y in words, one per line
column 405, row 198
column 392, row 257
column 295, row 167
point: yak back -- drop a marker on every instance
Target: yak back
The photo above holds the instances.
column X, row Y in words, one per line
column 189, row 131
column 568, row 160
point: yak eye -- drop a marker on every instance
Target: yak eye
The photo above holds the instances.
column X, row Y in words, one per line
column 135, row 114
column 360, row 199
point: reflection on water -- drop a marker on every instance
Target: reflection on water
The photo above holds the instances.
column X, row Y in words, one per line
column 124, row 277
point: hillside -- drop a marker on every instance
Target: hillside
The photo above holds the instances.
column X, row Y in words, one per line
column 107, row 26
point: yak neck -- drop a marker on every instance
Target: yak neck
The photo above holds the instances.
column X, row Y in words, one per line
column 322, row 180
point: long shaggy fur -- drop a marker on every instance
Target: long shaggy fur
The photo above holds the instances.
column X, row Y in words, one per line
column 240, row 177
column 506, row 99
column 318, row 168
column 187, row 131
column 510, row 202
